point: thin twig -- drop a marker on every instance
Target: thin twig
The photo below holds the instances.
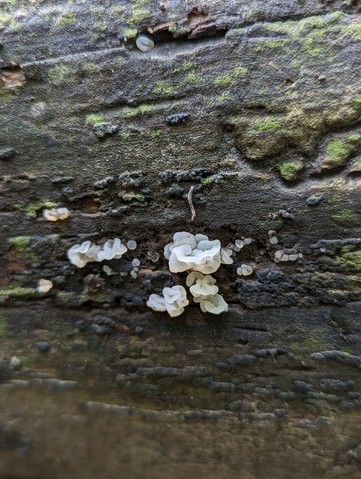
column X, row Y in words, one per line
column 190, row 202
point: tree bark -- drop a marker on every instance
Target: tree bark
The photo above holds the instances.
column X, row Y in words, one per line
column 243, row 122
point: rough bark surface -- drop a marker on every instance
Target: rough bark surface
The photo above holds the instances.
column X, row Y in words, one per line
column 254, row 108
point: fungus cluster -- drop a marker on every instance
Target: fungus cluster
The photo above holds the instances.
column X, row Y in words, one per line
column 205, row 292
column 286, row 255
column 88, row 252
column 244, row 270
column 195, row 252
column 201, row 256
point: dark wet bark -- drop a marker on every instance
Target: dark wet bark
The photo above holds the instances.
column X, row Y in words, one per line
column 242, row 122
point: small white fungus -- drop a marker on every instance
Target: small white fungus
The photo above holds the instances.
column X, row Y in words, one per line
column 44, row 286
column 173, row 301
column 131, row 244
column 273, row 240
column 107, row 270
column 144, row 42
column 135, row 262
column 239, row 244
column 195, row 252
column 88, row 252
column 288, row 255
column 205, row 292
column 56, row 214
column 244, row 270
column 213, row 304
column 204, row 288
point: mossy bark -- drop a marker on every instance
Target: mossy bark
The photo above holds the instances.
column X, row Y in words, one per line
column 249, row 111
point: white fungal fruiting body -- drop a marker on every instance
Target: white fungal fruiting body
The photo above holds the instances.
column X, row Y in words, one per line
column 144, row 42
column 204, row 287
column 195, row 252
column 131, row 244
column 282, row 255
column 213, row 304
column 240, row 243
column 245, row 270
column 56, row 214
column 44, row 286
column 173, row 301
column 88, row 252
column 108, row 271
column 135, row 262
column 198, row 254
column 273, row 240
column 204, row 292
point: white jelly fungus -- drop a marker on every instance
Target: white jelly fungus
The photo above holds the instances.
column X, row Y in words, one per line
column 173, row 301
column 244, row 270
column 44, row 286
column 195, row 252
column 56, row 214
column 88, row 252
column 144, row 43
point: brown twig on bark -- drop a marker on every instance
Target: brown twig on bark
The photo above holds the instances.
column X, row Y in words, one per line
column 190, row 202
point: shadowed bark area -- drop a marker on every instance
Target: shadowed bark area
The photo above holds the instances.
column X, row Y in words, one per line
column 242, row 123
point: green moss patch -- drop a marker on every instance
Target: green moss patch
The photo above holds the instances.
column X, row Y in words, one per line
column 356, row 100
column 130, row 32
column 137, row 14
column 351, row 260
column 129, row 112
column 354, row 138
column 66, row 18
column 30, row 209
column 191, row 79
column 94, row 119
column 164, row 88
column 240, row 71
column 353, row 30
column 346, row 217
column 291, row 170
column 266, row 44
column 15, row 292
column 60, row 74
column 356, row 166
column 7, row 94
column 268, row 125
column 338, row 149
column 5, row 19
column 20, row 243
column 224, row 80
column 188, row 66
column 156, row 134
column 337, row 152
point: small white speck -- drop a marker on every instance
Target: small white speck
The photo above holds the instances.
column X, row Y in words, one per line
column 273, row 240
column 131, row 244
column 135, row 262
column 44, row 285
column 107, row 270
